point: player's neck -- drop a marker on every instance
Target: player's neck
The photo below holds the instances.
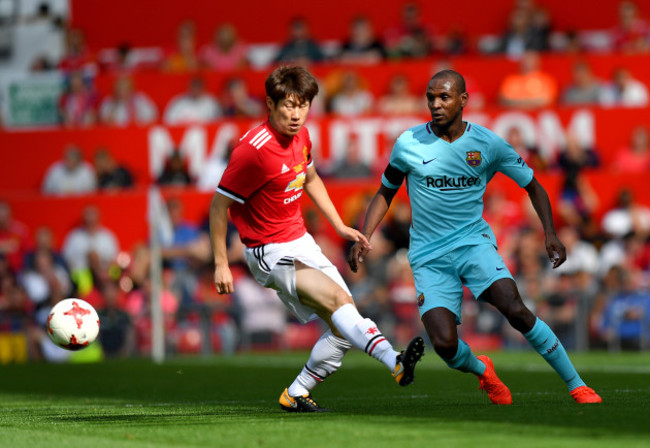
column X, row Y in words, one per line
column 450, row 133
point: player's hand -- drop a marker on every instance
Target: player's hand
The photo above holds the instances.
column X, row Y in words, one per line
column 356, row 254
column 223, row 281
column 555, row 250
column 352, row 234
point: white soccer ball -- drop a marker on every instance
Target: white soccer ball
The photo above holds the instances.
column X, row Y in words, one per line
column 73, row 324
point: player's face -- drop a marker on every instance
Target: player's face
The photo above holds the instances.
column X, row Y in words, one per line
column 445, row 102
column 288, row 115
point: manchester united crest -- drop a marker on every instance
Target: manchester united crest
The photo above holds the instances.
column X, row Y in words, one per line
column 421, row 299
column 474, row 158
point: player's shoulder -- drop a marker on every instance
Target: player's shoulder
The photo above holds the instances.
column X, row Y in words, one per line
column 415, row 134
column 483, row 134
column 256, row 137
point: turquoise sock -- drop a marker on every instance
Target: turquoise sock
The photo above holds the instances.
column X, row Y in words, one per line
column 465, row 361
column 542, row 338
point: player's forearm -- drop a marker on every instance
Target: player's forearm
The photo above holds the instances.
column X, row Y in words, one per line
column 377, row 210
column 542, row 205
column 315, row 189
column 218, row 229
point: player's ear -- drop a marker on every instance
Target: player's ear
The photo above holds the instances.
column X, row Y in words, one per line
column 270, row 103
column 464, row 97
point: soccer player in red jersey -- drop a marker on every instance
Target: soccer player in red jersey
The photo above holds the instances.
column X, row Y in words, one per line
column 262, row 186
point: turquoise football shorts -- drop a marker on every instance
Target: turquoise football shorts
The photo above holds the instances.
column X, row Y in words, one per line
column 439, row 282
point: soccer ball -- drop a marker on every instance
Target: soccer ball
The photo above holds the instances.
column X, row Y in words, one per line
column 73, row 324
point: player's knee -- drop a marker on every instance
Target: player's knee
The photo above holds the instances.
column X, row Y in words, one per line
column 519, row 316
column 445, row 346
column 341, row 298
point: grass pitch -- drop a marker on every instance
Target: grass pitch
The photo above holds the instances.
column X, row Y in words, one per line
column 232, row 402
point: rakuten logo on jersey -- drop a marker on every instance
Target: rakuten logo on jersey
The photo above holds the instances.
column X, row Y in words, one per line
column 446, row 183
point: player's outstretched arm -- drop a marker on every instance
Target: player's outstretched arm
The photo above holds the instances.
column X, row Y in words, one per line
column 315, row 189
column 554, row 247
column 223, row 280
column 375, row 213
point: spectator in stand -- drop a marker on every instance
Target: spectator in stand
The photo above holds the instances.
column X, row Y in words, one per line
column 78, row 106
column 189, row 248
column 238, row 102
column 194, row 106
column 77, row 57
column 44, row 242
column 531, row 88
column 455, row 41
column 625, row 91
column 412, row 37
column 626, row 318
column 91, row 242
column 401, row 290
column 351, row 165
column 263, row 317
column 175, row 173
column 585, row 89
column 628, row 216
column 72, row 175
column 226, row 52
column 635, row 158
column 528, row 151
column 399, row 100
column 17, row 343
column 529, row 30
column 559, row 308
column 352, row 99
column 14, row 238
column 362, row 46
column 110, row 175
column 116, row 334
column 221, row 309
column 300, row 49
column 632, row 35
column 122, row 62
column 127, row 106
column 397, row 226
column 45, row 280
column 184, row 57
column 578, row 201
column 582, row 256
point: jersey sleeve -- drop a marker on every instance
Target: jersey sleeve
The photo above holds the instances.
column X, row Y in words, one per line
column 244, row 174
column 396, row 170
column 510, row 163
column 310, row 160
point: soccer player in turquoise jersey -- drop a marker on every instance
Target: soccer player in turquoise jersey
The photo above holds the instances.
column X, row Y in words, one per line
column 447, row 164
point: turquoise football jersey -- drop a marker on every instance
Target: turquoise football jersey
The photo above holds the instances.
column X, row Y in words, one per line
column 446, row 183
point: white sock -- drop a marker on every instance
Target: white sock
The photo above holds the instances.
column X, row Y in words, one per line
column 364, row 334
column 326, row 357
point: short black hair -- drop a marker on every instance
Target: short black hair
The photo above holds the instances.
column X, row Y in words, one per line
column 295, row 81
column 453, row 75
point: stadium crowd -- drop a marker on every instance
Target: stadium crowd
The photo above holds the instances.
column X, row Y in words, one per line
column 600, row 298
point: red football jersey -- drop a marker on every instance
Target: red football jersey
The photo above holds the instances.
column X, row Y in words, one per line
column 265, row 176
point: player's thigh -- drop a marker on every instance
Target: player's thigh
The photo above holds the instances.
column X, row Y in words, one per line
column 437, row 284
column 480, row 266
column 318, row 291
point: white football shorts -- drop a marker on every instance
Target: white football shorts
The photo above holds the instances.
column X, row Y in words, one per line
column 273, row 266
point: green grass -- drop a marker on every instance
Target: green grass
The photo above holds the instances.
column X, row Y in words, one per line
column 232, row 402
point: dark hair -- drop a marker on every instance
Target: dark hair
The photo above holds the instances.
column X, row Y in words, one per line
column 455, row 76
column 291, row 81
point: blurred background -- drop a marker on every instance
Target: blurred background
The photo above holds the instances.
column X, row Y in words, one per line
column 117, row 119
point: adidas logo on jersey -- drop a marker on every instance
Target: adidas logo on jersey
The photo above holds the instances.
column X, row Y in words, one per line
column 260, row 138
column 285, row 168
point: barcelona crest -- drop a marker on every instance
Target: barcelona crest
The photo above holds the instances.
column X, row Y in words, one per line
column 474, row 158
column 421, row 299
